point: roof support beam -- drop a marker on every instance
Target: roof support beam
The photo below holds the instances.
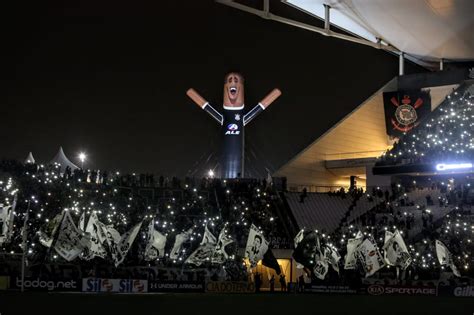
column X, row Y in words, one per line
column 401, row 64
column 323, row 31
column 327, row 22
column 326, row 32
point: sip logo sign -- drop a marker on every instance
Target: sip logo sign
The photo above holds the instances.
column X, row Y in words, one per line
column 114, row 285
column 232, row 129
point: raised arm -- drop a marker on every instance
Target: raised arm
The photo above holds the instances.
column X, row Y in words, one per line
column 201, row 102
column 262, row 105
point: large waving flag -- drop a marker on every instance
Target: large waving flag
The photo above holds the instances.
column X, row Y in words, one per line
column 256, row 247
column 7, row 214
column 205, row 251
column 178, row 243
column 445, row 257
column 395, row 250
column 125, row 243
column 48, row 231
column 350, row 260
column 307, row 249
column 112, row 239
column 370, row 257
column 155, row 247
column 70, row 241
column 98, row 238
column 220, row 255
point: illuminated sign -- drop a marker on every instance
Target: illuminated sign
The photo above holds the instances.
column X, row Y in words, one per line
column 456, row 166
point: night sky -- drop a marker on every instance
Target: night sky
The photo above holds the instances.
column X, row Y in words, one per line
column 110, row 80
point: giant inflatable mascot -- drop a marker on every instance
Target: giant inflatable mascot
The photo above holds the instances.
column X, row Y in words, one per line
column 233, row 120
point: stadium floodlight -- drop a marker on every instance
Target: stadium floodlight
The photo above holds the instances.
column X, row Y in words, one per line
column 82, row 158
column 455, row 166
column 211, row 173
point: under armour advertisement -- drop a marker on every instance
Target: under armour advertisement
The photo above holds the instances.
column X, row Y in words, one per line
column 404, row 110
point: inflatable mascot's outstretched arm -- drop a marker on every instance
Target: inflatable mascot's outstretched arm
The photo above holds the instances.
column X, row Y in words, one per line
column 201, row 102
column 272, row 96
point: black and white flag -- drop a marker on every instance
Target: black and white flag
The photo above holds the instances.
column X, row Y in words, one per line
column 350, row 260
column 331, row 255
column 220, row 255
column 48, row 231
column 307, row 250
column 256, row 247
column 299, row 237
column 70, row 241
column 369, row 256
column 155, row 247
column 7, row 213
column 180, row 239
column 445, row 257
column 98, row 239
column 112, row 239
column 320, row 268
column 82, row 222
column 125, row 243
column 395, row 250
column 205, row 251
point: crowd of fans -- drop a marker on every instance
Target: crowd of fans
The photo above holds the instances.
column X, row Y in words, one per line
column 235, row 205
column 177, row 207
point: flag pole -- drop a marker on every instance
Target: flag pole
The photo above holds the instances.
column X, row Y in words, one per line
column 25, row 237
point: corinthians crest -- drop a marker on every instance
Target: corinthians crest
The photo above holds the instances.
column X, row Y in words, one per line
column 404, row 110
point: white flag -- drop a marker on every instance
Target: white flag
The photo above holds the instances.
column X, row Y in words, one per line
column 350, row 260
column 97, row 236
column 370, row 257
column 395, row 250
column 125, row 243
column 7, row 214
column 71, row 241
column 208, row 237
column 82, row 222
column 155, row 247
column 48, row 231
column 299, row 237
column 445, row 257
column 220, row 254
column 178, row 242
column 256, row 247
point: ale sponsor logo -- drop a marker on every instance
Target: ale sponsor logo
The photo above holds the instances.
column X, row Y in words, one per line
column 232, row 129
column 114, row 285
column 47, row 285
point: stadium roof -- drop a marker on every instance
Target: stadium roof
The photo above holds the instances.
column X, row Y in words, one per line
column 30, row 159
column 425, row 30
column 61, row 159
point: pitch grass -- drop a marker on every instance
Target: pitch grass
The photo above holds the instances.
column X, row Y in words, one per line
column 207, row 304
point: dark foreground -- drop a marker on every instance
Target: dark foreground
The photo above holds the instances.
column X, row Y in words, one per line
column 263, row 304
